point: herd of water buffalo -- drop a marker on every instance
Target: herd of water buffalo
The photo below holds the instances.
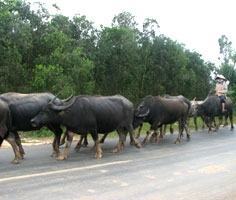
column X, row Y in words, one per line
column 101, row 115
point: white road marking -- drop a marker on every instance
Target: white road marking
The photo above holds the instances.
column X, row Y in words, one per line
column 124, row 184
column 64, row 171
column 177, row 173
column 91, row 190
column 103, row 171
column 213, row 169
column 150, row 177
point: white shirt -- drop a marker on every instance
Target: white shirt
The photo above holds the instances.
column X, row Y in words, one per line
column 221, row 87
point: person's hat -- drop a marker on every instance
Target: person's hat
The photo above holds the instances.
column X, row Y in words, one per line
column 220, row 77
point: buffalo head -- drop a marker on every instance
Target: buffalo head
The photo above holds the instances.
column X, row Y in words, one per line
column 143, row 108
column 196, row 108
column 52, row 112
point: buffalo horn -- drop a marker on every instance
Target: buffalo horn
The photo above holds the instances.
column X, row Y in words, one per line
column 144, row 114
column 68, row 99
column 64, row 106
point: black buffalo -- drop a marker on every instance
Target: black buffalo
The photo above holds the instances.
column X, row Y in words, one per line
column 5, row 128
column 5, row 120
column 211, row 107
column 91, row 114
column 163, row 130
column 158, row 111
column 22, row 108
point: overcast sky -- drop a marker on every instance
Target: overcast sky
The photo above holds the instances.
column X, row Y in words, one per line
column 196, row 23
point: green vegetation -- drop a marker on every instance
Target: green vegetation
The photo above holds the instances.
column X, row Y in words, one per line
column 43, row 52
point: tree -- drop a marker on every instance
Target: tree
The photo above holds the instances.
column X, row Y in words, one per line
column 117, row 62
column 44, row 52
column 228, row 61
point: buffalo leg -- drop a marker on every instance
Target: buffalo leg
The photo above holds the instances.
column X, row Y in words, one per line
column 139, row 131
column 11, row 140
column 171, row 129
column 147, row 137
column 181, row 128
column 220, row 120
column 203, row 124
column 154, row 136
column 78, row 145
column 195, row 123
column 85, row 144
column 208, row 122
column 187, row 131
column 161, row 135
column 84, row 139
column 217, row 125
column 121, row 143
column 18, row 142
column 226, row 119
column 66, row 151
column 98, row 149
column 133, row 140
column 231, row 121
column 163, row 131
column 55, row 145
column 57, row 137
column 103, row 138
column 63, row 140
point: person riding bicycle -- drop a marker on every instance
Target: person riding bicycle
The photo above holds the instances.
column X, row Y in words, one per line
column 221, row 89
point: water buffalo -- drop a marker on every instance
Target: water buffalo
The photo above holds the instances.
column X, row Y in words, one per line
column 90, row 114
column 163, row 130
column 193, row 114
column 185, row 100
column 5, row 120
column 159, row 111
column 5, row 134
column 22, row 108
column 211, row 107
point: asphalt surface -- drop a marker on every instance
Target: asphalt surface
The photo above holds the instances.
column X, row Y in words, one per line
column 203, row 168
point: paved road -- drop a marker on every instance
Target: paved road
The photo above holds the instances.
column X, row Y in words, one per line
column 204, row 168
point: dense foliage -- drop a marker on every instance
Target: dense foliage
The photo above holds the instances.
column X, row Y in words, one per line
column 43, row 52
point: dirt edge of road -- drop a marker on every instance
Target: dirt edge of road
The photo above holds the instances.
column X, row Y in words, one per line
column 29, row 142
column 34, row 141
